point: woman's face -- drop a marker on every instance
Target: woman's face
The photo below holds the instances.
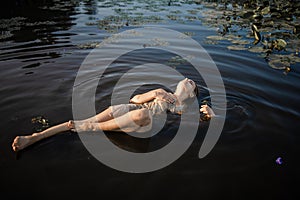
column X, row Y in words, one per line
column 186, row 87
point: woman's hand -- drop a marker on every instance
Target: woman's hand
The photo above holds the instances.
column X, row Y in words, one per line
column 207, row 113
column 163, row 95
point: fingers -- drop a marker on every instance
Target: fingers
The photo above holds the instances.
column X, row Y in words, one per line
column 170, row 99
column 204, row 109
column 207, row 111
column 15, row 148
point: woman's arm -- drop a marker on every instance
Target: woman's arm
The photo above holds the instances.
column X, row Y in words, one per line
column 160, row 94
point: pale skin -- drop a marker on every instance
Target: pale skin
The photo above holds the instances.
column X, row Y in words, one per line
column 106, row 122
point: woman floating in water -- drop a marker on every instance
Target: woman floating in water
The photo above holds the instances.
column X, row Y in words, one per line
column 135, row 116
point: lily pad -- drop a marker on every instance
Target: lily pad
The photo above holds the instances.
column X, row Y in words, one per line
column 211, row 42
column 90, row 45
column 240, row 42
column 187, row 35
column 257, row 49
column 237, row 47
column 265, row 10
column 279, row 64
column 216, row 37
column 176, row 60
column 279, row 44
column 41, row 123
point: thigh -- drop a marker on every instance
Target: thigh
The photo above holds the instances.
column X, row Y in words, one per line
column 113, row 112
column 128, row 121
column 122, row 109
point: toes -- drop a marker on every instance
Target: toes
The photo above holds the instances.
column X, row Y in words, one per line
column 15, row 147
column 16, row 141
column 71, row 124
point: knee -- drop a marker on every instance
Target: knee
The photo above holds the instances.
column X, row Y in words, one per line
column 141, row 117
column 109, row 109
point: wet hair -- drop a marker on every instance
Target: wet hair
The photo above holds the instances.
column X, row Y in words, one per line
column 189, row 101
column 196, row 90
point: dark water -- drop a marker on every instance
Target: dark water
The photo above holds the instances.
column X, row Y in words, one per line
column 43, row 44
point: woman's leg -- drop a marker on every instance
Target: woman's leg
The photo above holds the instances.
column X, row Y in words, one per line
column 101, row 117
column 113, row 112
column 20, row 142
column 130, row 121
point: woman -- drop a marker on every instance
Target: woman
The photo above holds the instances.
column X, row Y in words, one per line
column 135, row 116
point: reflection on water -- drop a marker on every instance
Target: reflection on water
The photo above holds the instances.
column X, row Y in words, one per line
column 43, row 43
column 35, row 20
column 273, row 27
column 270, row 29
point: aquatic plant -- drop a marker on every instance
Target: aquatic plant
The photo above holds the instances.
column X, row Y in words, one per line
column 40, row 122
column 273, row 27
column 261, row 27
column 7, row 26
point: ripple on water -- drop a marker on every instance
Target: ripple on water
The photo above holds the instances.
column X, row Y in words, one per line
column 240, row 115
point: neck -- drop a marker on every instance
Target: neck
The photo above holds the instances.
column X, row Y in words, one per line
column 179, row 99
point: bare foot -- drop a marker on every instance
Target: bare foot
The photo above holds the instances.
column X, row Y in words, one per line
column 71, row 125
column 20, row 142
column 207, row 111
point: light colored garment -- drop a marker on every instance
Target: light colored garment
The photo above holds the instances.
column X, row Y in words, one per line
column 155, row 107
column 158, row 106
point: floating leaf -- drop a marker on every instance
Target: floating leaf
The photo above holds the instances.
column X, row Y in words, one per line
column 41, row 123
column 279, row 64
column 215, row 37
column 279, row 44
column 187, row 35
column 237, row 47
column 246, row 14
column 256, row 34
column 177, row 60
column 89, row 45
column 257, row 49
column 266, row 10
column 240, row 42
column 231, row 37
column 211, row 42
